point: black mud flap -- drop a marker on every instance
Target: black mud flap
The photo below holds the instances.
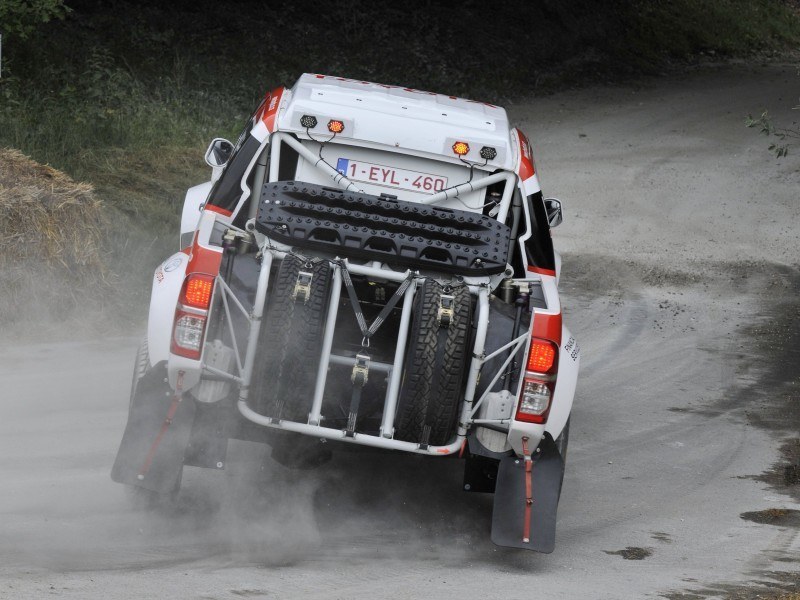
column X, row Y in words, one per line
column 508, row 515
column 156, row 436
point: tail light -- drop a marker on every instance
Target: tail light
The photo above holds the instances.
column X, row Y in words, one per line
column 191, row 316
column 539, row 382
column 461, row 148
column 335, row 126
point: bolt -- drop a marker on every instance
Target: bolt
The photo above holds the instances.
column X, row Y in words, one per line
column 220, row 464
column 467, row 486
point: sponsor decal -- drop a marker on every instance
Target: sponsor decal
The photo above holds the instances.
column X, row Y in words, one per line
column 173, row 264
column 572, row 349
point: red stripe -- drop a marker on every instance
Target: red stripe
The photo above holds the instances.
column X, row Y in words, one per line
column 541, row 271
column 547, row 327
column 526, row 527
column 203, row 260
column 270, row 110
column 526, row 169
column 176, row 399
column 218, row 209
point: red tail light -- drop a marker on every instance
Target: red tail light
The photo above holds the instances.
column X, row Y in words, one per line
column 197, row 291
column 335, row 126
column 542, row 356
column 539, row 382
column 191, row 316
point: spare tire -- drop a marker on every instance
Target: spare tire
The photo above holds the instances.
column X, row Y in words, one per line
column 431, row 392
column 288, row 350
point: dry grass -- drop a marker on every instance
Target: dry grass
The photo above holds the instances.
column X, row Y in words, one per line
column 51, row 242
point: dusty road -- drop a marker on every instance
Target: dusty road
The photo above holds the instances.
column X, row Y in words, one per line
column 681, row 250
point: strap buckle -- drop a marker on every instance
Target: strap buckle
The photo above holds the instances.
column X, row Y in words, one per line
column 444, row 316
column 302, row 286
column 360, row 374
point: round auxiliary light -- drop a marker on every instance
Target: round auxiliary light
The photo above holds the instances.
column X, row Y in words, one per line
column 308, row 121
column 461, row 148
column 488, row 153
column 335, row 126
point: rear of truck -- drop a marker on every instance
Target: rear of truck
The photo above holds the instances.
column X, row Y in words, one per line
column 360, row 272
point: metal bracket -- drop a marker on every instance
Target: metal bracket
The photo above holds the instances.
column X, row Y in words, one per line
column 303, row 286
column 444, row 315
column 360, row 373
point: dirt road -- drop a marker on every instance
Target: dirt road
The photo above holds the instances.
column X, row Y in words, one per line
column 681, row 247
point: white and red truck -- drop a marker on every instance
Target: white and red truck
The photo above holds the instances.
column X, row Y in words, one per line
column 371, row 265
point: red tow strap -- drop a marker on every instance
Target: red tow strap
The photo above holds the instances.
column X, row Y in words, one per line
column 176, row 399
column 526, row 527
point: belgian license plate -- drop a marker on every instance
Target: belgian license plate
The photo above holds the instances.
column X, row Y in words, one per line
column 403, row 179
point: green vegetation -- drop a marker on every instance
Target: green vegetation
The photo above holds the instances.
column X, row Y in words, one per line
column 127, row 94
column 20, row 17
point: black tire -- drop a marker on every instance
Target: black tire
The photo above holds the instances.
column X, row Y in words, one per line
column 563, row 441
column 431, row 393
column 289, row 343
column 141, row 498
column 140, row 366
column 561, row 445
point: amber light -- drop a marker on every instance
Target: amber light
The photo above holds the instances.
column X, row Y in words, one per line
column 335, row 126
column 198, row 291
column 542, row 356
column 461, row 148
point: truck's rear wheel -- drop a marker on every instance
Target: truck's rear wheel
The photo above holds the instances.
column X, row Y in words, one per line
column 140, row 366
column 431, row 393
column 290, row 340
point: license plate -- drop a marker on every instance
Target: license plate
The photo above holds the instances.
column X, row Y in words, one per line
column 403, row 179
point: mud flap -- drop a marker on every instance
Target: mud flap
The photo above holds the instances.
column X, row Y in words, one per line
column 508, row 515
column 156, row 437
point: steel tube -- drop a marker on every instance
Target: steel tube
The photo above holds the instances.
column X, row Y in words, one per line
column 497, row 376
column 338, row 434
column 477, row 358
column 347, row 361
column 393, row 389
column 339, row 179
column 275, row 157
column 515, row 341
column 255, row 324
column 315, row 415
column 229, row 322
column 377, row 273
column 221, row 375
column 467, row 187
column 505, row 202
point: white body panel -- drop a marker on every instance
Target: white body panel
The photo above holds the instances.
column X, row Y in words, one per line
column 569, row 360
column 192, row 203
column 167, row 282
column 386, row 164
column 399, row 117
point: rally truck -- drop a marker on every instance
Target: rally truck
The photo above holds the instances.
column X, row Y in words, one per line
column 370, row 265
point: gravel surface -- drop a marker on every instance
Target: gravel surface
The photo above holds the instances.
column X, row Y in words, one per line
column 680, row 280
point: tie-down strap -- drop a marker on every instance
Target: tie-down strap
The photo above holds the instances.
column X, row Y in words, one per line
column 368, row 331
